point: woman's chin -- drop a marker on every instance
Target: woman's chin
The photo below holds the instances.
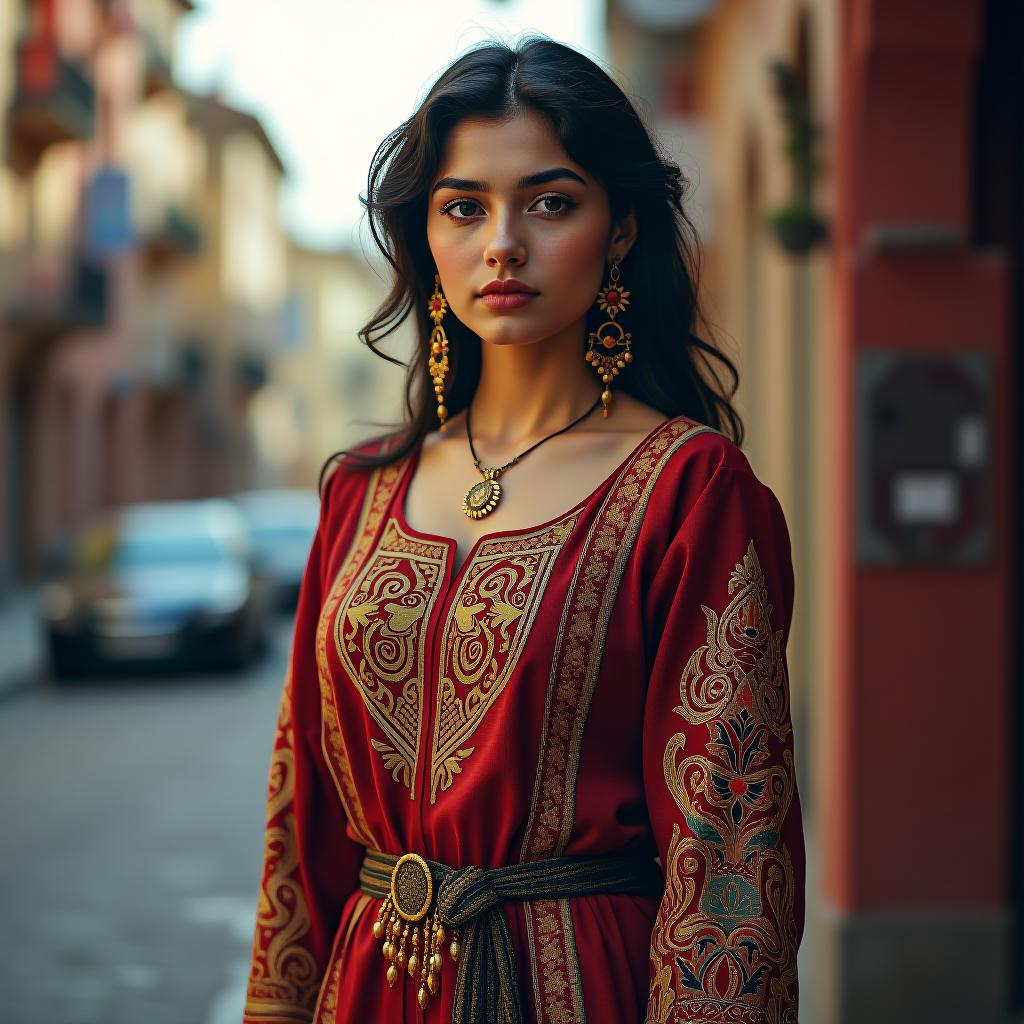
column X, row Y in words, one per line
column 509, row 337
column 515, row 333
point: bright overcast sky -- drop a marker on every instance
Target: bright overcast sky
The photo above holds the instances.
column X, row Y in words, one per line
column 330, row 78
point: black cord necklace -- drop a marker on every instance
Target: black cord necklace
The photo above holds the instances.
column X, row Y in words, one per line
column 482, row 498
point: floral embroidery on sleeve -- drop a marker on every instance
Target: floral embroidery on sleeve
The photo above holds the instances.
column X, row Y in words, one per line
column 724, row 943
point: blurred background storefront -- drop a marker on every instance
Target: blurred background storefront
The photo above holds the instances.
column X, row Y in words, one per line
column 857, row 177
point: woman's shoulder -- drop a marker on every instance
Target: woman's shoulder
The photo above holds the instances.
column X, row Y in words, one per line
column 349, row 471
column 698, row 468
column 693, row 454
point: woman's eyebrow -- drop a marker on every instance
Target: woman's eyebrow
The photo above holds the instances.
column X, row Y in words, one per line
column 540, row 178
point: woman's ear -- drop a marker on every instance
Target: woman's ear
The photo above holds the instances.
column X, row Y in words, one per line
column 623, row 235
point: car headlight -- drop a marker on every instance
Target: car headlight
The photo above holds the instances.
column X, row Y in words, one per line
column 222, row 604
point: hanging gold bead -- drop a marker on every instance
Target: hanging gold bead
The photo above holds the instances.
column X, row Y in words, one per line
column 378, row 929
column 414, row 964
column 392, row 975
column 454, row 949
column 422, row 998
column 432, row 983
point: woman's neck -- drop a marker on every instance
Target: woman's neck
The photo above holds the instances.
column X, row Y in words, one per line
column 529, row 391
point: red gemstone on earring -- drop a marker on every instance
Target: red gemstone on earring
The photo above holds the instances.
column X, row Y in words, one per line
column 612, row 298
column 608, row 342
column 436, row 304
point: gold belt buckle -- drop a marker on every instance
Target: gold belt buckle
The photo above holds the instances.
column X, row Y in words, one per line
column 412, row 893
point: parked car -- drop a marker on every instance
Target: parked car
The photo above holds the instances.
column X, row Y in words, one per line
column 166, row 584
column 281, row 525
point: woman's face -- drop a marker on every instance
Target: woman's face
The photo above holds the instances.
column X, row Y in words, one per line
column 508, row 203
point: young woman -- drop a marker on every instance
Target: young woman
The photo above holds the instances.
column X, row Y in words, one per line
column 534, row 759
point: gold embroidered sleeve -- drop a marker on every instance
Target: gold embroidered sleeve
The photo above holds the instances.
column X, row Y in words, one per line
column 718, row 764
column 310, row 865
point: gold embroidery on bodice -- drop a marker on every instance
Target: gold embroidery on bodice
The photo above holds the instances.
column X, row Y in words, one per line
column 486, row 630
column 379, row 637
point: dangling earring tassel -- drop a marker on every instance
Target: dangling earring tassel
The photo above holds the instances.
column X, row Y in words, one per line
column 437, row 364
column 610, row 336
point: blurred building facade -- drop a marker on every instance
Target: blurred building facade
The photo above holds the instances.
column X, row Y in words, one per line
column 857, row 169
column 327, row 391
column 152, row 307
column 236, row 287
column 90, row 270
column 57, row 299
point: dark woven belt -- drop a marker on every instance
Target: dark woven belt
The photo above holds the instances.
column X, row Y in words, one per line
column 422, row 894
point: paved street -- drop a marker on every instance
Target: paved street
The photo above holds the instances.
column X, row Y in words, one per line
column 130, row 848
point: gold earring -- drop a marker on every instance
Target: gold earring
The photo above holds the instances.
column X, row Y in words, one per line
column 437, row 364
column 610, row 336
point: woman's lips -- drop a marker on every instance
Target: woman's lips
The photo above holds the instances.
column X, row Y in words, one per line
column 507, row 300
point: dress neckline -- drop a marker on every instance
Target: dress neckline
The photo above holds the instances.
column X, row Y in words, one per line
column 398, row 504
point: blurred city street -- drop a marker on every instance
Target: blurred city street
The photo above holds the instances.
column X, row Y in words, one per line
column 131, row 850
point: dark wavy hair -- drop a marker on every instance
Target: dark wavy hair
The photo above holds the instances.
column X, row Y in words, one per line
column 675, row 371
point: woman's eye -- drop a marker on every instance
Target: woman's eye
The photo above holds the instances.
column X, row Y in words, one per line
column 461, row 206
column 467, row 209
column 561, row 204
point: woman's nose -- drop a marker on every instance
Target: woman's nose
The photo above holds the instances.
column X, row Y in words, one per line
column 505, row 244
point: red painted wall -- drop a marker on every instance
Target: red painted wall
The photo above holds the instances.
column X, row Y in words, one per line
column 916, row 798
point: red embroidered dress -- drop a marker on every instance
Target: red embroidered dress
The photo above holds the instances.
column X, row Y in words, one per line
column 613, row 678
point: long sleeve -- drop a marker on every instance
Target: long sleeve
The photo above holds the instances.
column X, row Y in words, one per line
column 718, row 761
column 310, row 865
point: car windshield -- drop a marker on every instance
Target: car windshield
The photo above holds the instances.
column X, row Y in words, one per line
column 142, row 550
column 271, row 533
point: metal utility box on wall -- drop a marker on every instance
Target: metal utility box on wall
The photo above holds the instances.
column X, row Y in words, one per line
column 923, row 460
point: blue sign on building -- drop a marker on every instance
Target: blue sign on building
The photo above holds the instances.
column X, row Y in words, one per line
column 108, row 227
column 292, row 322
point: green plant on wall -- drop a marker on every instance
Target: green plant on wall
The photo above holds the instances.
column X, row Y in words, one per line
column 796, row 225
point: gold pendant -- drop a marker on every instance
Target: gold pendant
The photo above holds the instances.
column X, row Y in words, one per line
column 482, row 498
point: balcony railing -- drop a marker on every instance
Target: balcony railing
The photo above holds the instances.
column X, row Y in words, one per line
column 176, row 234
column 52, row 294
column 54, row 101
